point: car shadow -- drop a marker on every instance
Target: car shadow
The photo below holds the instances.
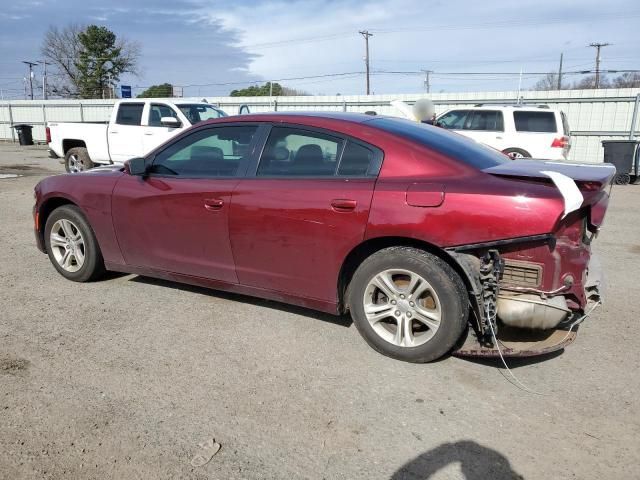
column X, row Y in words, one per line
column 477, row 462
column 342, row 320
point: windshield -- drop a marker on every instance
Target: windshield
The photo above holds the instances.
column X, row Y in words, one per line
column 450, row 144
column 197, row 113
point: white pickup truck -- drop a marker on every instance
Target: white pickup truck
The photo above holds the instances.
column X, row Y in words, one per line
column 135, row 128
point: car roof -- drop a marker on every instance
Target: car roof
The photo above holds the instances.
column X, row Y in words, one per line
column 295, row 117
column 526, row 108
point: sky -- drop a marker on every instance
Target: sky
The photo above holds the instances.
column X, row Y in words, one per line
column 214, row 46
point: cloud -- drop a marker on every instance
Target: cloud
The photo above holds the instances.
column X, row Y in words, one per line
column 201, row 42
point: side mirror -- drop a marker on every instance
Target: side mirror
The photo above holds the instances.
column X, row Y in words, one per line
column 136, row 166
column 170, row 122
column 244, row 109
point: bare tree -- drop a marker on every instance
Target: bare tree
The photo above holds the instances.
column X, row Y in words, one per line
column 590, row 82
column 63, row 49
column 627, row 80
column 549, row 82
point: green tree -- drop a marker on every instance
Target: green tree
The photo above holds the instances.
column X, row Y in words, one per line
column 163, row 90
column 258, row 91
column 101, row 61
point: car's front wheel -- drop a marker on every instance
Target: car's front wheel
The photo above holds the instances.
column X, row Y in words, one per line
column 72, row 246
column 408, row 304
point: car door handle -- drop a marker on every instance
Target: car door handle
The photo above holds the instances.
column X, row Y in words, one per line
column 499, row 138
column 343, row 204
column 113, row 131
column 148, row 133
column 213, row 203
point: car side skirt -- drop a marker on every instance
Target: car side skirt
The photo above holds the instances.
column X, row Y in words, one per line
column 306, row 302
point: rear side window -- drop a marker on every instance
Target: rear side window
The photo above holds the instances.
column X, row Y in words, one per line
column 544, row 122
column 130, row 114
column 485, row 120
column 358, row 161
column 299, row 153
column 450, row 144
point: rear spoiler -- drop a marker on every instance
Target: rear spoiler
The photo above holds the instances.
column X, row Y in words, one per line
column 570, row 178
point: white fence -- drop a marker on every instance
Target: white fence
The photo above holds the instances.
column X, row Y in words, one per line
column 594, row 115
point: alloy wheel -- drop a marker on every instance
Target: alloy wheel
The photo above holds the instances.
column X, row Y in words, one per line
column 67, row 245
column 402, row 307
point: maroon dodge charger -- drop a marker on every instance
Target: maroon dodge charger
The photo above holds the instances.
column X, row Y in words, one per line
column 433, row 243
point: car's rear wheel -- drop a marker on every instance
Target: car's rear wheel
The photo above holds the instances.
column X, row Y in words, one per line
column 77, row 160
column 516, row 153
column 408, row 304
column 72, row 246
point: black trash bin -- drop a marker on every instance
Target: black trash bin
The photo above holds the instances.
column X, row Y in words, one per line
column 24, row 134
column 623, row 154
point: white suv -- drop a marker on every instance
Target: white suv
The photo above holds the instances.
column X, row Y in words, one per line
column 519, row 131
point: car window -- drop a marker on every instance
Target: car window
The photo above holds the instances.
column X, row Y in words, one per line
column 358, row 161
column 130, row 114
column 197, row 113
column 158, row 111
column 535, row 122
column 485, row 120
column 214, row 152
column 450, row 144
column 453, row 120
column 301, row 153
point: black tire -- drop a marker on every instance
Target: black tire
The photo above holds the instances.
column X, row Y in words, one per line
column 447, row 285
column 622, row 179
column 77, row 160
column 93, row 266
column 516, row 153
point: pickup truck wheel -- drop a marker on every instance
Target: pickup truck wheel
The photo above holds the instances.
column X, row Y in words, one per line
column 516, row 153
column 72, row 246
column 408, row 304
column 77, row 160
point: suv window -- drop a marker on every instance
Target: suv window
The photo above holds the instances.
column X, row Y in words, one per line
column 453, row 120
column 299, row 153
column 486, row 120
column 130, row 114
column 213, row 152
column 535, row 122
column 157, row 111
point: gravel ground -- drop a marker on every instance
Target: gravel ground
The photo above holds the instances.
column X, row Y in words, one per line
column 124, row 378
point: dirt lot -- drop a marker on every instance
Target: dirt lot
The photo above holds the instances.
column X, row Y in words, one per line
column 125, row 377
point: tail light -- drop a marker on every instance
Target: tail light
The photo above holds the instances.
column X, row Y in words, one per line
column 48, row 134
column 561, row 142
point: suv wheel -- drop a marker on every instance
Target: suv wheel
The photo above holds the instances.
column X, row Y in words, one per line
column 408, row 304
column 516, row 153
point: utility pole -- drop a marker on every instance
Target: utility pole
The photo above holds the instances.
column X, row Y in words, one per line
column 427, row 83
column 598, row 46
column 45, row 79
column 31, row 65
column 366, row 35
column 560, row 73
